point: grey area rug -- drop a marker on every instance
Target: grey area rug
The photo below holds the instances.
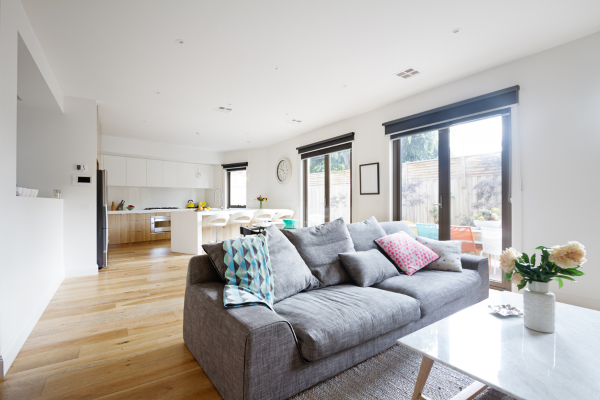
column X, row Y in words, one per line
column 392, row 374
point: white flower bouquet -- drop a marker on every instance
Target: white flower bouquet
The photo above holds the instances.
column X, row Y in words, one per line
column 558, row 262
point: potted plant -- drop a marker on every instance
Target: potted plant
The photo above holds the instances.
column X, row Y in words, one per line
column 260, row 199
column 488, row 218
column 557, row 263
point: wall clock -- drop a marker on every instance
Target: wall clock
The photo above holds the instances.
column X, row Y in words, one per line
column 284, row 170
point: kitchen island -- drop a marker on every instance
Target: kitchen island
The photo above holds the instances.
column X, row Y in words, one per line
column 188, row 232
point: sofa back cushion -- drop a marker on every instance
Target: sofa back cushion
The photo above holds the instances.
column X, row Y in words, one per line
column 368, row 267
column 408, row 254
column 392, row 227
column 319, row 247
column 291, row 275
column 217, row 257
column 365, row 233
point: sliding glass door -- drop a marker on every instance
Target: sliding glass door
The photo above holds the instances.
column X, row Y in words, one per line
column 453, row 184
column 327, row 186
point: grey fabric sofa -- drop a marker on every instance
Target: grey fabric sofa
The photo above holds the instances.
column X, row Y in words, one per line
column 253, row 353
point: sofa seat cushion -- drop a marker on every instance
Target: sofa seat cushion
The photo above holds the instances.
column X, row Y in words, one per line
column 336, row 318
column 433, row 289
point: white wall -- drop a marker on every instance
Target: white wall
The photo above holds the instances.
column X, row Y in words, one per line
column 143, row 197
column 120, row 146
column 13, row 21
column 36, row 269
column 50, row 144
column 558, row 136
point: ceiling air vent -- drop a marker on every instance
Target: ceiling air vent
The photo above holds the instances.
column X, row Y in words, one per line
column 408, row 73
column 223, row 109
column 294, row 121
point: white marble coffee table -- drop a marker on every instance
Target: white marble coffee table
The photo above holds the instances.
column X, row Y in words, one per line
column 501, row 353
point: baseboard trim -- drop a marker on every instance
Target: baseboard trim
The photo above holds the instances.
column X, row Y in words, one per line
column 90, row 270
column 15, row 343
column 1, row 367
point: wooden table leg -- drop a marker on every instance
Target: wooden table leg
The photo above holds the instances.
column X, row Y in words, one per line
column 426, row 364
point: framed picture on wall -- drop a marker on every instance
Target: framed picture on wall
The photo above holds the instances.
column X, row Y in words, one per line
column 369, row 178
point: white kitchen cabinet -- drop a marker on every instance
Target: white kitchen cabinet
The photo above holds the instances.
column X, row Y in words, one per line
column 205, row 181
column 169, row 174
column 186, row 175
column 154, row 173
column 136, row 171
column 116, row 170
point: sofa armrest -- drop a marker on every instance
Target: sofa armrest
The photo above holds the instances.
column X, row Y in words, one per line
column 482, row 266
column 201, row 269
column 234, row 345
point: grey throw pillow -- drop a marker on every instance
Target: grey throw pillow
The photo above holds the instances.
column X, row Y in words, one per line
column 319, row 247
column 290, row 273
column 397, row 226
column 217, row 257
column 368, row 267
column 365, row 233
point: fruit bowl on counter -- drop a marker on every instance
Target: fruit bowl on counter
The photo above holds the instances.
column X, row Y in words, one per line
column 202, row 209
column 130, row 207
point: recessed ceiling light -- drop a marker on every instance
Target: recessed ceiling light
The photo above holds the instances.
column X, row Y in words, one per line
column 408, row 73
column 275, row 68
column 144, row 120
column 179, row 41
column 455, row 30
column 223, row 109
column 343, row 86
column 294, row 121
column 157, row 92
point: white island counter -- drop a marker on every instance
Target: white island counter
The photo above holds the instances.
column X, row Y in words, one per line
column 188, row 232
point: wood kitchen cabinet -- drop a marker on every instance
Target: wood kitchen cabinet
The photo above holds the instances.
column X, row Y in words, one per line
column 132, row 228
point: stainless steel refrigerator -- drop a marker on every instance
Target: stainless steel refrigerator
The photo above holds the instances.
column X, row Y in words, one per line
column 102, row 219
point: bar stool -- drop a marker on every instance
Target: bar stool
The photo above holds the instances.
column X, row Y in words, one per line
column 242, row 217
column 217, row 220
column 262, row 218
column 281, row 215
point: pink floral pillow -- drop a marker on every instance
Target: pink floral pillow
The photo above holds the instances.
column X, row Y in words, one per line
column 408, row 254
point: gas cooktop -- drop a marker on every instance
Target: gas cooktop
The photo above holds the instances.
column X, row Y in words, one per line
column 162, row 208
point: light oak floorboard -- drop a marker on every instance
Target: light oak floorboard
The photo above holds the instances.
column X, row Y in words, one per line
column 118, row 335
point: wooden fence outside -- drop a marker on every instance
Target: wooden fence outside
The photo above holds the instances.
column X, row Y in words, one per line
column 339, row 197
column 465, row 173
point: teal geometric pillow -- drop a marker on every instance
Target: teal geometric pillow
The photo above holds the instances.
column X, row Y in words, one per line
column 249, row 276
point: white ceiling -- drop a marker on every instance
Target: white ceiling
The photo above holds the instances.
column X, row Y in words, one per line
column 122, row 52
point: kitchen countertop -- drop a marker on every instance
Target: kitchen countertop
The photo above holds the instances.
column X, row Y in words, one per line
column 211, row 212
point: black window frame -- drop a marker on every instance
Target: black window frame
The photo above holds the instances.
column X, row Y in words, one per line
column 440, row 120
column 229, row 170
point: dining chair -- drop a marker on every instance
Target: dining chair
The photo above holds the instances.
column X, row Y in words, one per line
column 280, row 215
column 262, row 218
column 218, row 220
column 464, row 234
column 428, row 230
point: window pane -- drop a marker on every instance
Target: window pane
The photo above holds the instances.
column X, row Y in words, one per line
column 476, row 189
column 420, row 183
column 237, row 185
column 339, row 185
column 315, row 191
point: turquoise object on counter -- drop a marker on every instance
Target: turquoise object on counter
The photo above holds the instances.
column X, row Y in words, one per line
column 290, row 223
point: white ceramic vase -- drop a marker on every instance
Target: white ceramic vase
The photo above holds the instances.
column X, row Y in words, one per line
column 539, row 304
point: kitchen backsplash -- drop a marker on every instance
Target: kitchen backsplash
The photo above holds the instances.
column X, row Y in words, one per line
column 155, row 197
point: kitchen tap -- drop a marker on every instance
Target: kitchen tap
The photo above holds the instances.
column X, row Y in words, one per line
column 222, row 199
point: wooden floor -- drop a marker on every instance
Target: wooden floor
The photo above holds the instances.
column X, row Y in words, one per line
column 117, row 335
